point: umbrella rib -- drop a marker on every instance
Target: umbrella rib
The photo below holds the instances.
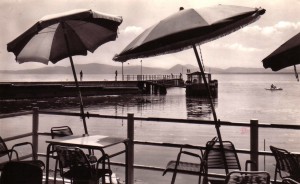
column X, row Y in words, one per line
column 67, row 26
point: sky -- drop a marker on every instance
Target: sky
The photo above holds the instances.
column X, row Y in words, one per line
column 243, row 48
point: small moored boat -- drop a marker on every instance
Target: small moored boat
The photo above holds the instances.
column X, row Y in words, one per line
column 274, row 89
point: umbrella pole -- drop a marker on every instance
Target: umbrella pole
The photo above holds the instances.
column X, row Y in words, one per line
column 79, row 94
column 217, row 123
column 76, row 81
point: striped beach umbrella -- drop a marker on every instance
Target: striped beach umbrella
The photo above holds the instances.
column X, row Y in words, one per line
column 63, row 35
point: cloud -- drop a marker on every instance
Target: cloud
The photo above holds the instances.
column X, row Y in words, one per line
column 132, row 30
column 281, row 27
column 257, row 30
column 233, row 46
column 284, row 25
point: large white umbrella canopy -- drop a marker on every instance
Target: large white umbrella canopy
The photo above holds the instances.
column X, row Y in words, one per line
column 63, row 35
column 186, row 29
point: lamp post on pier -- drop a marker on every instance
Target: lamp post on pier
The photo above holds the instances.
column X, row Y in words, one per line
column 142, row 69
column 122, row 72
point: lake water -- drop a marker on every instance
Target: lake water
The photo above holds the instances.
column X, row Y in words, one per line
column 242, row 97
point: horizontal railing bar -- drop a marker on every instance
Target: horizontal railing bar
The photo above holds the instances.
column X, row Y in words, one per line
column 59, row 113
column 174, row 145
column 41, row 154
column 17, row 137
column 174, row 120
column 148, row 167
column 188, row 146
column 78, row 114
column 116, row 154
column 280, row 126
column 44, row 133
column 10, row 115
column 153, row 168
column 117, row 163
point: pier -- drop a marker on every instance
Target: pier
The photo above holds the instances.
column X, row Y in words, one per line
column 132, row 84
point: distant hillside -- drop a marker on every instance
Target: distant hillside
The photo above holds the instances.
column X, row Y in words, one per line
column 92, row 68
column 182, row 68
column 95, row 68
column 255, row 70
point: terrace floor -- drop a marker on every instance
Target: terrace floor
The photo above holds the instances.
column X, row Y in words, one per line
column 115, row 179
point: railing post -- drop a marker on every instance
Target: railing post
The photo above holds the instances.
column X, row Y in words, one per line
column 254, row 144
column 130, row 136
column 35, row 128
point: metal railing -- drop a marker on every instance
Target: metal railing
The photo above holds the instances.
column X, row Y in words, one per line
column 254, row 132
column 150, row 77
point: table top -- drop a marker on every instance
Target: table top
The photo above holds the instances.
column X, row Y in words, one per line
column 90, row 141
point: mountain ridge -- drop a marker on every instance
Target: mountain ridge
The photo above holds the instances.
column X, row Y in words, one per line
column 96, row 68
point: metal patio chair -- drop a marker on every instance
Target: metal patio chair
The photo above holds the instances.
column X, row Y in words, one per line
column 287, row 165
column 19, row 172
column 248, row 177
column 5, row 151
column 74, row 165
column 211, row 158
column 61, row 131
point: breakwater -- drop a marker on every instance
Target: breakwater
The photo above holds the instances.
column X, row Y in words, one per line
column 20, row 90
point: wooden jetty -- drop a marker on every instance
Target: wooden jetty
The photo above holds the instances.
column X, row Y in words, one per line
column 21, row 90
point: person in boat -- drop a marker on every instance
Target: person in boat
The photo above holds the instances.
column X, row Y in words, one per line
column 273, row 86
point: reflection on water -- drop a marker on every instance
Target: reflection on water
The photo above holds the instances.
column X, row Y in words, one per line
column 199, row 107
column 173, row 105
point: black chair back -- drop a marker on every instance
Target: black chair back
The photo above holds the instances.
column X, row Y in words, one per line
column 21, row 172
column 285, row 162
column 74, row 163
column 61, row 131
column 3, row 148
column 214, row 158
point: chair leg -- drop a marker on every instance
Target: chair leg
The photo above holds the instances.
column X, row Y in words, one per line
column 110, row 179
column 174, row 177
column 55, row 170
column 205, row 178
column 199, row 179
column 275, row 176
column 64, row 180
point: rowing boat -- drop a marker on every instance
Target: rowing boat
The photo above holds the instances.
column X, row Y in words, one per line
column 274, row 89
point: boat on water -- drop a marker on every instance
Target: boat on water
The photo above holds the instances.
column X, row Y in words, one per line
column 274, row 89
column 195, row 86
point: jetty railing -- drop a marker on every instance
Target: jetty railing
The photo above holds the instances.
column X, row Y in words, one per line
column 254, row 135
column 151, row 77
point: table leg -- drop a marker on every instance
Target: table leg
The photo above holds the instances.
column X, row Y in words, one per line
column 47, row 163
column 103, row 164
